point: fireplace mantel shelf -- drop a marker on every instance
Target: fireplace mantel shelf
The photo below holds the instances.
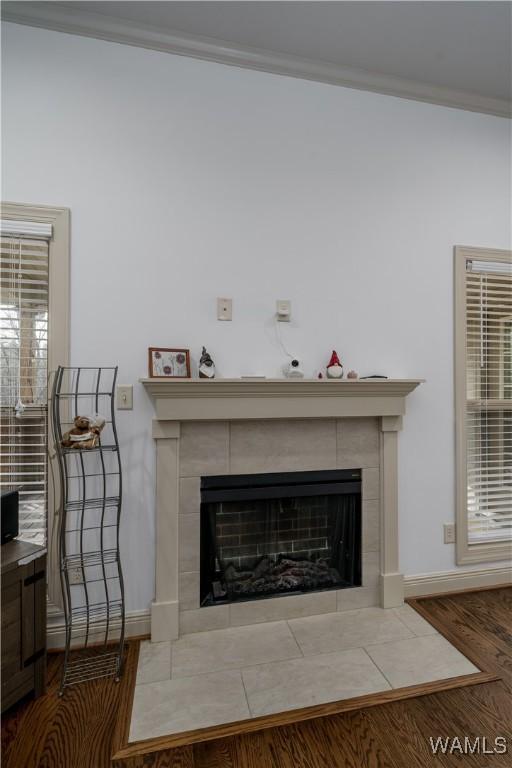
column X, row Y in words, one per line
column 201, row 399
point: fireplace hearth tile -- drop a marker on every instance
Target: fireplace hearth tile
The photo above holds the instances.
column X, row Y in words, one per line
column 390, row 655
column 233, row 648
column 314, row 680
column 173, row 706
column 414, row 621
column 154, row 662
column 419, row 660
column 347, row 629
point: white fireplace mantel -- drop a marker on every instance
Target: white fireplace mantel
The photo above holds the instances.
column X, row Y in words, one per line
column 184, row 400
column 220, row 399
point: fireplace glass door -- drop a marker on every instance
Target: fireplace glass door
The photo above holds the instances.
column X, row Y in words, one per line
column 279, row 533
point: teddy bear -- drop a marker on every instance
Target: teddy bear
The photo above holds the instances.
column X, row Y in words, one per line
column 85, row 433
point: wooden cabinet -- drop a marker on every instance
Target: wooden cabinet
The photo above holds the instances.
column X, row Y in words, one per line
column 23, row 613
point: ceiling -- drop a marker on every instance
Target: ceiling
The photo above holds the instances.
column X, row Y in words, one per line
column 445, row 46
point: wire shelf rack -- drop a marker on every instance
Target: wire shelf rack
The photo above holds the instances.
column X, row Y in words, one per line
column 89, row 516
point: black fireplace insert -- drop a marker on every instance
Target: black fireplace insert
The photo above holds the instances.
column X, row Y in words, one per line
column 279, row 533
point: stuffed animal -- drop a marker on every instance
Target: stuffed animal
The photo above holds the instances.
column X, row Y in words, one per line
column 85, row 433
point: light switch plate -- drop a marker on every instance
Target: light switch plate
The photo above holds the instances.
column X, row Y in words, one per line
column 224, row 309
column 124, row 399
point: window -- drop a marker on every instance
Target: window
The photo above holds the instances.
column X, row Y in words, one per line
column 23, row 378
column 483, row 388
column 34, row 340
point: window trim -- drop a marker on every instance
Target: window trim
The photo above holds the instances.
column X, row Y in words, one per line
column 58, row 351
column 468, row 553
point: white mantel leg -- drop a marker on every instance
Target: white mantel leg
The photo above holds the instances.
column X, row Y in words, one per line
column 165, row 608
column 391, row 580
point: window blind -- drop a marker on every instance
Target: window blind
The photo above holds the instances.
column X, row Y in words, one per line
column 489, row 400
column 23, row 378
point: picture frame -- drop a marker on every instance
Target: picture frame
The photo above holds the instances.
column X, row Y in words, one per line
column 168, row 363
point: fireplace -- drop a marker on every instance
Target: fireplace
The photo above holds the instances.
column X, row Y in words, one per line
column 204, row 428
column 265, row 535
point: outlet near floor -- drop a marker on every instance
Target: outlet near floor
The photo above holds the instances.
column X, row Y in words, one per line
column 449, row 533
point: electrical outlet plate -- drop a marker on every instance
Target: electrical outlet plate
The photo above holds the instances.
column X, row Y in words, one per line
column 449, row 533
column 283, row 310
column 124, row 397
column 75, row 576
column 224, row 309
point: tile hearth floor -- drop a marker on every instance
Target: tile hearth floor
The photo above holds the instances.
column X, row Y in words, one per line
column 211, row 678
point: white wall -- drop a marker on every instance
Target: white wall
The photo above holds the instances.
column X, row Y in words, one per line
column 190, row 180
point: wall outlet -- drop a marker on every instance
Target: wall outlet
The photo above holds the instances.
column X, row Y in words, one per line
column 449, row 533
column 75, row 575
column 124, row 397
column 283, row 310
column 224, row 309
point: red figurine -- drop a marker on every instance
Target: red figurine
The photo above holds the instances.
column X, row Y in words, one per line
column 335, row 368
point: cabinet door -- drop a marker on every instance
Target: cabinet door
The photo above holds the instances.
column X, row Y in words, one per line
column 17, row 634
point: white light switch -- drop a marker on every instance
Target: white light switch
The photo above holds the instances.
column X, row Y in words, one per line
column 124, row 399
column 224, row 309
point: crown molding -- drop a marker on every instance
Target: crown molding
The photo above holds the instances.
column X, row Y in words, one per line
column 63, row 18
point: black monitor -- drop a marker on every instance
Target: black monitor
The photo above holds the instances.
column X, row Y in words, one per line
column 10, row 515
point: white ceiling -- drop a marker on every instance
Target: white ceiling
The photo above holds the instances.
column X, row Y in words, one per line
column 460, row 46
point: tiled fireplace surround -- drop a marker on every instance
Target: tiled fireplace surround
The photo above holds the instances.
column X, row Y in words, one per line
column 188, row 449
column 274, row 446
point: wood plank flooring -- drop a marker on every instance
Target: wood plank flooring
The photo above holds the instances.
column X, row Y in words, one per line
column 79, row 730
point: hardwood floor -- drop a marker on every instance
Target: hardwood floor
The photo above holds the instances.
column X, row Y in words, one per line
column 79, row 730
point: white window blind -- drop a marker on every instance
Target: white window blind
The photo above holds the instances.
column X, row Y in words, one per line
column 489, row 400
column 23, row 379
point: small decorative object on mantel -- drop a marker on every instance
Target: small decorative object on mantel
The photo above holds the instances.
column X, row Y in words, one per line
column 169, row 363
column 334, row 368
column 206, row 366
column 352, row 375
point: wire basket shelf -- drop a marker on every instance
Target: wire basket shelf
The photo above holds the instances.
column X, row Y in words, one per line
column 89, row 516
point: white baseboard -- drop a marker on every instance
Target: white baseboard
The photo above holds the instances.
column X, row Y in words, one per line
column 137, row 623
column 455, row 581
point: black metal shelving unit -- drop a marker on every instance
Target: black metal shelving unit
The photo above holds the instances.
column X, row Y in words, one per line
column 89, row 516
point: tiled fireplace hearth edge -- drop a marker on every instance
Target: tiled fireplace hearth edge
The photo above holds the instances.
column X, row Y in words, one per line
column 239, row 426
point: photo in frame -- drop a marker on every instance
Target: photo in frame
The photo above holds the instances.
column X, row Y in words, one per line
column 168, row 363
